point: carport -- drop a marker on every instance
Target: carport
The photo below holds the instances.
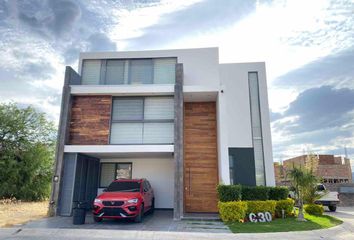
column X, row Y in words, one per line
column 86, row 174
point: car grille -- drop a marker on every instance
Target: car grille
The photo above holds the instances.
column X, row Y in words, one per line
column 113, row 203
column 113, row 212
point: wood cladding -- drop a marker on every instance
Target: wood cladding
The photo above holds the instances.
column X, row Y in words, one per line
column 200, row 157
column 90, row 120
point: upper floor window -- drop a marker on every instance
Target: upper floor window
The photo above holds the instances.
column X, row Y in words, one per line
column 129, row 71
column 142, row 120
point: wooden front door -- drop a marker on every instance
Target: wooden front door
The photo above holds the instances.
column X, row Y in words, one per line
column 200, row 157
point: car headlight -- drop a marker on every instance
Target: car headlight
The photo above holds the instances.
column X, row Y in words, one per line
column 97, row 200
column 134, row 200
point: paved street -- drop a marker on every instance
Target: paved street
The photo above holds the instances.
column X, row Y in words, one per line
column 344, row 231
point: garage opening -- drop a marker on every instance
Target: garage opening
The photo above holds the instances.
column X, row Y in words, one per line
column 158, row 171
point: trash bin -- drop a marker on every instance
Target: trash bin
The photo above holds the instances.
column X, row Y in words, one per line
column 79, row 213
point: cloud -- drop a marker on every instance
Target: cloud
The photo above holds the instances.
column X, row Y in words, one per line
column 100, row 42
column 319, row 108
column 200, row 17
column 336, row 69
column 55, row 18
column 319, row 119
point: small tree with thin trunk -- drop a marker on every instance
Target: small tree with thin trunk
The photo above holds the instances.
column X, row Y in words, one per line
column 303, row 182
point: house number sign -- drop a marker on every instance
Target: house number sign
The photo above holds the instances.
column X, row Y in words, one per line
column 260, row 217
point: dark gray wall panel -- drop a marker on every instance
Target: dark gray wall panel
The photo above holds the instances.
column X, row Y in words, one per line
column 243, row 166
column 67, row 187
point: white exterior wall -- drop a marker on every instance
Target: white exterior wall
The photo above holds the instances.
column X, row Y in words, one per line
column 204, row 79
column 158, row 171
column 234, row 80
column 200, row 65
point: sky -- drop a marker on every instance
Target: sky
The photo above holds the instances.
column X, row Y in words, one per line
column 308, row 47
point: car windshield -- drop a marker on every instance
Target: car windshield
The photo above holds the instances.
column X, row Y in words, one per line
column 123, row 187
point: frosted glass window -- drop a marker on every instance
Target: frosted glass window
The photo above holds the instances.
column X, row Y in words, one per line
column 91, row 71
column 107, row 174
column 158, row 133
column 159, row 108
column 128, row 109
column 141, row 71
column 115, row 72
column 164, row 70
column 256, row 127
column 126, row 133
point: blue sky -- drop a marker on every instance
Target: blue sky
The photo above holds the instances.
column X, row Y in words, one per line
column 308, row 47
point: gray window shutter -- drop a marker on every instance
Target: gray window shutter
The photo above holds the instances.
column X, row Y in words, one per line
column 115, row 72
column 141, row 71
column 159, row 108
column 91, row 71
column 128, row 109
column 158, row 133
column 126, row 133
column 164, row 70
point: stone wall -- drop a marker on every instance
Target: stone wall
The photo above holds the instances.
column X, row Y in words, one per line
column 90, row 120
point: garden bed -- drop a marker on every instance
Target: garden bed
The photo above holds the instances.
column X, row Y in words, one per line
column 285, row 225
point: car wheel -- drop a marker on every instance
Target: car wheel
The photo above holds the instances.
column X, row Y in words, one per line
column 332, row 208
column 97, row 219
column 152, row 206
column 139, row 218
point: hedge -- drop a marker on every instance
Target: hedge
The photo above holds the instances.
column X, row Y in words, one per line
column 278, row 193
column 287, row 205
column 228, row 193
column 261, row 206
column 232, row 211
column 314, row 209
column 235, row 211
column 255, row 193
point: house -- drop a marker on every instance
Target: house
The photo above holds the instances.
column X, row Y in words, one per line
column 330, row 169
column 176, row 117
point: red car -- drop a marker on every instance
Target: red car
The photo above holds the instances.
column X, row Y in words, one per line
column 124, row 198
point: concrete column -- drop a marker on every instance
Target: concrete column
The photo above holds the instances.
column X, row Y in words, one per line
column 71, row 77
column 178, row 143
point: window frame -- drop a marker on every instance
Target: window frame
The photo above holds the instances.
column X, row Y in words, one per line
column 142, row 121
column 115, row 171
column 103, row 69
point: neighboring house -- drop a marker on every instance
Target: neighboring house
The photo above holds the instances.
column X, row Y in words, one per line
column 331, row 169
column 175, row 117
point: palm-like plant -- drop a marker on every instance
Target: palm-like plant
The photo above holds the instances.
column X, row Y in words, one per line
column 304, row 184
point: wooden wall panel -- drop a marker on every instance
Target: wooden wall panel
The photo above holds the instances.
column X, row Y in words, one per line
column 90, row 120
column 200, row 157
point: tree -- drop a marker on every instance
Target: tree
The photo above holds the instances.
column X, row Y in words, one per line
column 304, row 184
column 27, row 145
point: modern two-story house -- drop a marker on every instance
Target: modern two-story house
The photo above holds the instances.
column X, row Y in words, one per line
column 175, row 117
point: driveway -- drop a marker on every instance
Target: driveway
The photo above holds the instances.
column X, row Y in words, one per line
column 29, row 231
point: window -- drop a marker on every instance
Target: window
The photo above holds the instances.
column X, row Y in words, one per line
column 112, row 171
column 124, row 187
column 129, row 71
column 91, row 70
column 142, row 120
column 115, row 70
column 256, row 127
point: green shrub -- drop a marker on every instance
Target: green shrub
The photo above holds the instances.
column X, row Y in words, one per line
column 261, row 206
column 255, row 193
column 278, row 193
column 287, row 205
column 314, row 209
column 232, row 211
column 228, row 193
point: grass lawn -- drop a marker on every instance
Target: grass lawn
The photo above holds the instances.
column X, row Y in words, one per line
column 286, row 225
column 21, row 212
